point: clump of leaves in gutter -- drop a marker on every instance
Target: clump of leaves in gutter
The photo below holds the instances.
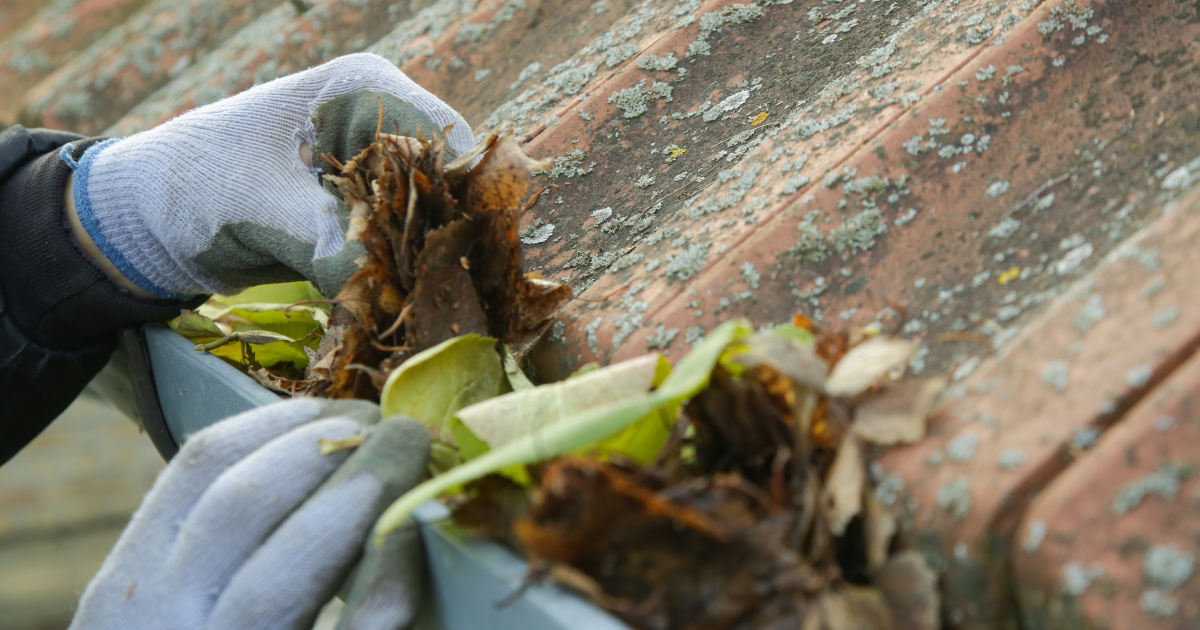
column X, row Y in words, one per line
column 729, row 492
column 442, row 260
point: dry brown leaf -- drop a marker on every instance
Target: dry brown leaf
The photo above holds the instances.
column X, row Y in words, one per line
column 841, row 498
column 878, row 528
column 855, row 608
column 910, row 587
column 868, row 363
column 441, row 247
column 897, row 413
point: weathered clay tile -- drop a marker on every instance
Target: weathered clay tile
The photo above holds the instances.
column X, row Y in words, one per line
column 48, row 39
column 1111, row 542
column 502, row 49
column 281, row 42
column 104, row 81
column 1054, row 129
column 13, row 14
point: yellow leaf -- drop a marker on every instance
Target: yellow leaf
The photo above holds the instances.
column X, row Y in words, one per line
column 758, row 120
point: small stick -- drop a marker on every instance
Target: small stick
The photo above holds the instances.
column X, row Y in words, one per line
column 379, row 346
column 968, row 337
column 1038, row 193
column 379, row 125
column 289, row 307
column 607, row 297
column 534, row 199
column 329, row 157
column 399, row 320
column 408, row 215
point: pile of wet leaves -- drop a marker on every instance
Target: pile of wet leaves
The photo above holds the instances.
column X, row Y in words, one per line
column 440, row 259
column 758, row 511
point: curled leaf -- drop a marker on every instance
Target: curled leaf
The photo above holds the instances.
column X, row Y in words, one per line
column 909, row 585
column 867, row 363
column 898, row 412
column 503, row 419
column 841, row 498
column 787, row 354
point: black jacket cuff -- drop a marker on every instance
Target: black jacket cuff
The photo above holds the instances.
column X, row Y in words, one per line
column 54, row 295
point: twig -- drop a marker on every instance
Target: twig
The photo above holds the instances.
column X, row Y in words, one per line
column 534, row 199
column 289, row 307
column 607, row 297
column 968, row 337
column 379, row 125
column 408, row 217
column 399, row 320
column 379, row 346
column 333, row 161
column 1038, row 193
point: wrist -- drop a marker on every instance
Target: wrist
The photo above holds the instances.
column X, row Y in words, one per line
column 91, row 251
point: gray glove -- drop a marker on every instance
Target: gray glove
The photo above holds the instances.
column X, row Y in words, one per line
column 219, row 199
column 250, row 527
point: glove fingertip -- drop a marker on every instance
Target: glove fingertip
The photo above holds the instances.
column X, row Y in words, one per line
column 387, row 586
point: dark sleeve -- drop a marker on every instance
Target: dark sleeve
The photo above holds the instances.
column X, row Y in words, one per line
column 59, row 314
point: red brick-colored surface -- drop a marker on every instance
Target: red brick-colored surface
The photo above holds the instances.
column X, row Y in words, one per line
column 1118, row 529
column 1035, row 228
column 49, row 39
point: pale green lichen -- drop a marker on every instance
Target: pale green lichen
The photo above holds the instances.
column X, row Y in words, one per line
column 688, row 262
column 661, row 338
column 811, row 247
column 651, row 62
column 857, row 234
column 954, row 496
column 1164, row 482
column 570, row 165
column 632, row 100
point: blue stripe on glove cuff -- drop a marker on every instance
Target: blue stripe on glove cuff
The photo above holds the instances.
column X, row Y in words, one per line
column 83, row 208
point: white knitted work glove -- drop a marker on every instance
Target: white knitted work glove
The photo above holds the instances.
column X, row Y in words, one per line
column 218, row 199
column 251, row 528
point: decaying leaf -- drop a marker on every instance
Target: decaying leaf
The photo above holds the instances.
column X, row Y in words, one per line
column 855, row 608
column 897, row 413
column 690, row 375
column 842, row 497
column 757, row 514
column 442, row 254
column 878, row 528
column 909, row 585
column 868, row 363
column 787, row 355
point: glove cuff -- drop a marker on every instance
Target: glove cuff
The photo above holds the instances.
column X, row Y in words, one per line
column 108, row 222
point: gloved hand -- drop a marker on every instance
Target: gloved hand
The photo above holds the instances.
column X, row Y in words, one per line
column 219, row 198
column 250, row 527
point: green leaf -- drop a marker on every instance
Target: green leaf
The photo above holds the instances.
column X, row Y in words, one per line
column 503, row 419
column 516, row 378
column 270, row 349
column 196, row 327
column 296, row 323
column 282, row 293
column 433, row 385
column 469, row 445
column 691, row 375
